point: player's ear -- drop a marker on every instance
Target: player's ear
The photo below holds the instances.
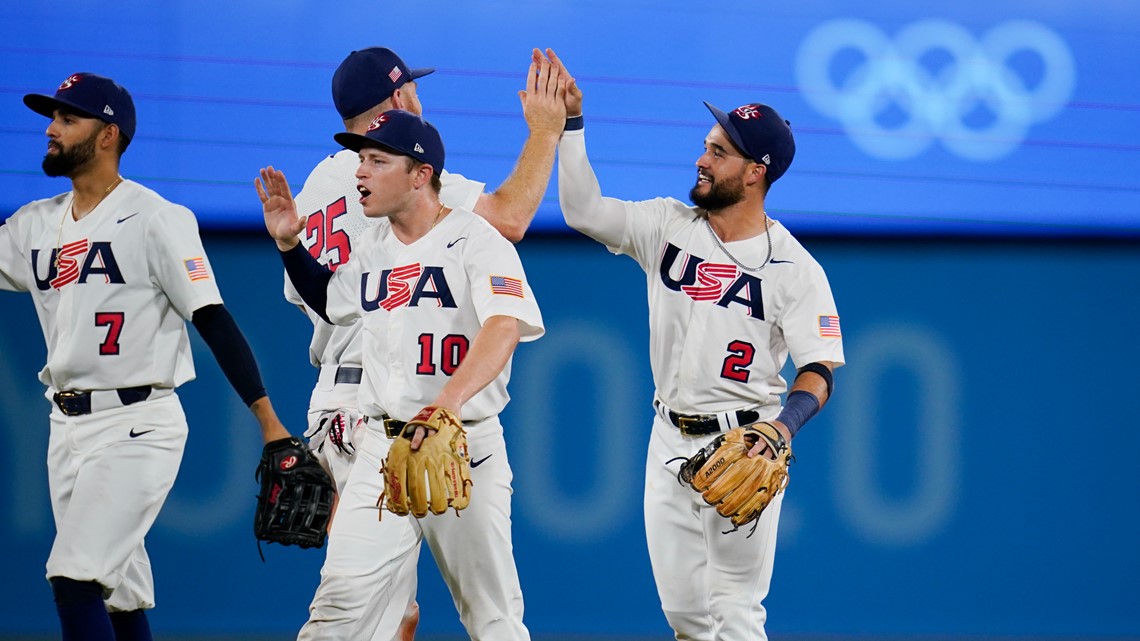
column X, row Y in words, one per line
column 109, row 136
column 755, row 173
column 397, row 100
column 423, row 174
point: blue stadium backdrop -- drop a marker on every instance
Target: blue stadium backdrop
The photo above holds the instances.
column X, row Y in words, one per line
column 1013, row 117
column 966, row 174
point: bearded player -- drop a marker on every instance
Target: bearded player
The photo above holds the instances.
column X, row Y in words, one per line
column 114, row 271
column 731, row 295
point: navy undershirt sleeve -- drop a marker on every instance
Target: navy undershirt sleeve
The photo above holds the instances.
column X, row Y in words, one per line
column 310, row 278
column 225, row 340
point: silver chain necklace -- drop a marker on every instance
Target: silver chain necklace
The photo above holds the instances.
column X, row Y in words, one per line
column 767, row 230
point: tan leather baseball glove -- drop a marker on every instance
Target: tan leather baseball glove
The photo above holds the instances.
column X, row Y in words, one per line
column 738, row 486
column 435, row 477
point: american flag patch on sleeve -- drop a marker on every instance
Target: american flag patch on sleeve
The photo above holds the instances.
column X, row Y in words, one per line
column 506, row 285
column 196, row 268
column 829, row 326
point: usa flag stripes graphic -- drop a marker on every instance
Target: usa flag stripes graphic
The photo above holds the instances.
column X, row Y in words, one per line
column 709, row 277
column 829, row 326
column 400, row 286
column 506, row 285
column 196, row 268
column 66, row 263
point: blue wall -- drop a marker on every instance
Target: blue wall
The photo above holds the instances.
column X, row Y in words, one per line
column 899, row 107
column 974, row 475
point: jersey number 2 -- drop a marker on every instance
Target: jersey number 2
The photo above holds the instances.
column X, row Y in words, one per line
column 113, row 321
column 739, row 359
column 319, row 229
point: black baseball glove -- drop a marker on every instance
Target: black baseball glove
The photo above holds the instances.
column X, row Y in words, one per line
column 296, row 497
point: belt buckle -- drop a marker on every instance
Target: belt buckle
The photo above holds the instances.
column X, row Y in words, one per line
column 688, row 425
column 393, row 428
column 63, row 401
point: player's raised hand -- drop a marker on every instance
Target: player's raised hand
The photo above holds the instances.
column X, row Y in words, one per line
column 281, row 219
column 573, row 95
column 544, row 106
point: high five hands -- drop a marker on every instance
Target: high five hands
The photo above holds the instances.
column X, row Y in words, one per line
column 281, row 219
column 572, row 95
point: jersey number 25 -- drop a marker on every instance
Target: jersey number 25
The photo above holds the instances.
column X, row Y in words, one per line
column 319, row 229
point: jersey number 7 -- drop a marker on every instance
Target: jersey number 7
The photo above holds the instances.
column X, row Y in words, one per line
column 113, row 321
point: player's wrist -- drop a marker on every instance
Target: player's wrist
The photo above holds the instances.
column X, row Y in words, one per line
column 546, row 134
column 799, row 408
column 286, row 244
column 573, row 123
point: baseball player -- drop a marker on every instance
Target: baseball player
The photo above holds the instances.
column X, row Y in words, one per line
column 731, row 295
column 367, row 83
column 443, row 301
column 114, row 271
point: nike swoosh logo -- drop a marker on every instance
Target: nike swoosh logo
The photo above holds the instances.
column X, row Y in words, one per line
column 135, row 434
column 452, row 243
column 777, row 262
column 480, row 461
column 128, row 217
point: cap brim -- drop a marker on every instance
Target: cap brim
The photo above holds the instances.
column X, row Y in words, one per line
column 356, row 142
column 726, row 124
column 46, row 106
column 420, row 73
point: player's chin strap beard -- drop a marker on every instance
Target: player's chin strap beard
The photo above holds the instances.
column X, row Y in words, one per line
column 767, row 231
column 71, row 212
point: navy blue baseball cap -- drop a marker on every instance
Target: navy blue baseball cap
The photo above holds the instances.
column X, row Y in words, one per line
column 90, row 95
column 761, row 135
column 367, row 78
column 401, row 132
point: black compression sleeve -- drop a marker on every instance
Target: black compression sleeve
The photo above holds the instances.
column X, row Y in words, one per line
column 231, row 350
column 310, row 278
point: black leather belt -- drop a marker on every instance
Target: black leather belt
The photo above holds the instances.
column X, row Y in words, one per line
column 392, row 427
column 346, row 374
column 78, row 403
column 701, row 424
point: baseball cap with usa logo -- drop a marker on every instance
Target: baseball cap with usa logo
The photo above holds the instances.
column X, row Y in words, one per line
column 367, row 78
column 90, row 95
column 760, row 134
column 401, row 132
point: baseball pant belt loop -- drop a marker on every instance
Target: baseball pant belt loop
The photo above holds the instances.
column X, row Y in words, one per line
column 348, row 374
column 702, row 424
column 332, row 374
column 82, row 402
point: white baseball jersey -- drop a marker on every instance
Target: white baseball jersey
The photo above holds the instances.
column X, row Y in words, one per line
column 749, row 321
column 129, row 275
column 719, row 336
column 422, row 305
column 335, row 221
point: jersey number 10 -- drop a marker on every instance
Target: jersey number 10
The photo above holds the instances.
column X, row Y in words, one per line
column 452, row 350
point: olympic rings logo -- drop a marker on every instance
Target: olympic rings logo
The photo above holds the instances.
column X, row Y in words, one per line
column 977, row 104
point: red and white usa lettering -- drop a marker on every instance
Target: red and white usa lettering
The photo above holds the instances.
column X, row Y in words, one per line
column 377, row 121
column 748, row 111
column 71, row 80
